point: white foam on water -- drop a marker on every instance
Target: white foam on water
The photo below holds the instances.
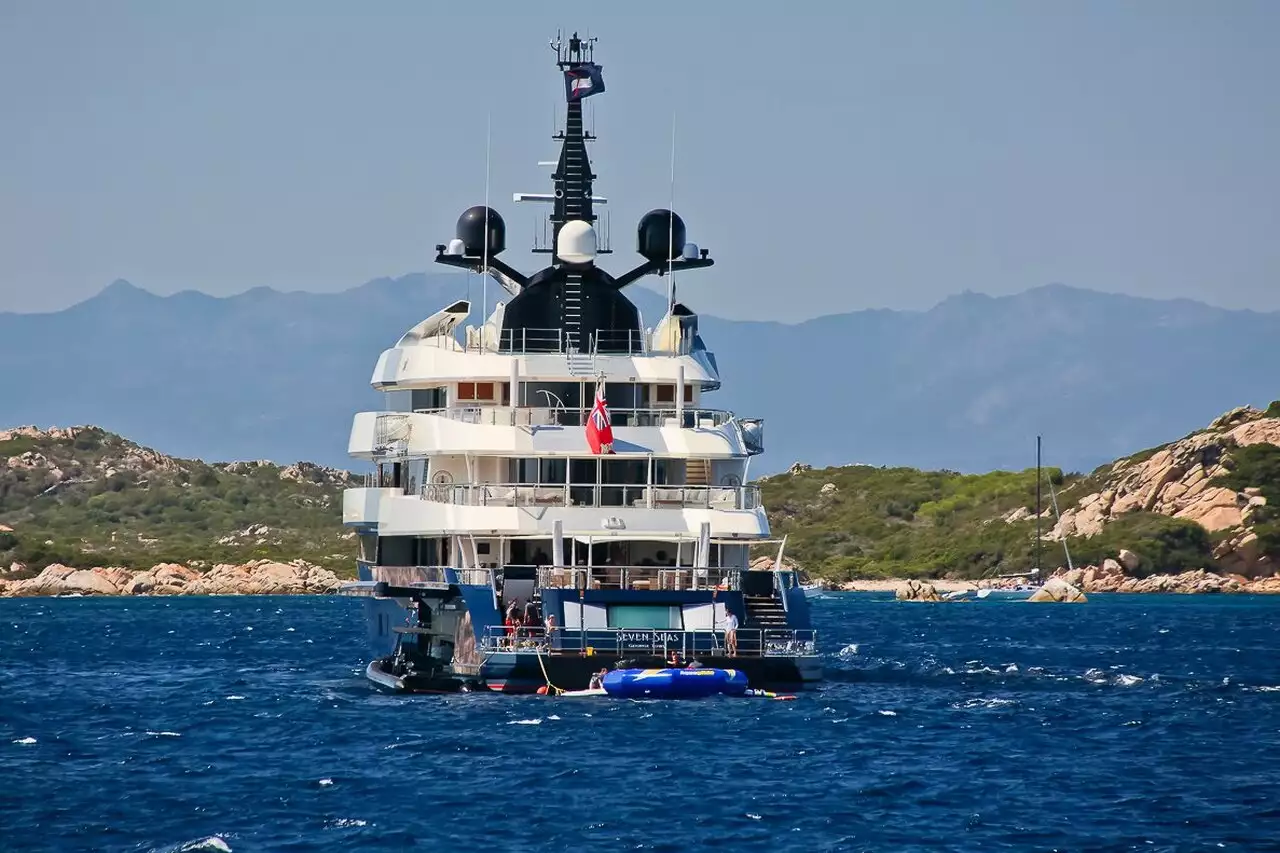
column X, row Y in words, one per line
column 754, row 816
column 248, row 628
column 981, row 670
column 1128, row 680
column 164, row 734
column 344, row 822
column 1266, row 688
column 536, row 721
column 1013, row 667
column 325, row 782
column 25, row 741
column 406, row 743
column 213, row 842
column 849, row 650
column 887, row 713
column 290, row 629
column 1163, row 631
column 982, row 704
column 553, row 717
column 234, row 698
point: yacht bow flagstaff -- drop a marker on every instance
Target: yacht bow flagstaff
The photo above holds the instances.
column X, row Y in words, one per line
column 554, row 493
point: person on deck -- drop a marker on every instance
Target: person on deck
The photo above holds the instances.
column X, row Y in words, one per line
column 730, row 633
column 597, row 680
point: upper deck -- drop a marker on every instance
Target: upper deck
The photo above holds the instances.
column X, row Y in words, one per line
column 424, row 357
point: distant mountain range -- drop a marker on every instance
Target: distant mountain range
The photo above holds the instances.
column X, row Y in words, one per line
column 964, row 386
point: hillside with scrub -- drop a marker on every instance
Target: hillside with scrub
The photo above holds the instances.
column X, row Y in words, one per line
column 82, row 496
column 1208, row 501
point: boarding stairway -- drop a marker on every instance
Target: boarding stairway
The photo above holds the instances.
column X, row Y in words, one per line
column 764, row 612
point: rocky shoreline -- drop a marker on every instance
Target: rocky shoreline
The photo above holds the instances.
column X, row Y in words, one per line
column 1110, row 577
column 257, row 577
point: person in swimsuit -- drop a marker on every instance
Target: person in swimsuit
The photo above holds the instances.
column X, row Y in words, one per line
column 730, row 633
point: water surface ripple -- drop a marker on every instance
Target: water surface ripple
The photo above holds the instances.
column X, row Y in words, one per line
column 244, row 724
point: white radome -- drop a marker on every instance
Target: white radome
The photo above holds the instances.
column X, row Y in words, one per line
column 576, row 243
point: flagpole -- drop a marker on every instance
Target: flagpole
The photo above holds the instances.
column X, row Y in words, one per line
column 484, row 288
column 671, row 223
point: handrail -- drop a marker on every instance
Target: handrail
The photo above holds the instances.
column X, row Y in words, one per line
column 681, row 578
column 658, row 642
column 408, row 575
column 592, row 495
column 533, row 341
column 562, row 416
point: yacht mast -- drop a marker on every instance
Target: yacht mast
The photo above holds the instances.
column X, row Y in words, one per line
column 1038, row 481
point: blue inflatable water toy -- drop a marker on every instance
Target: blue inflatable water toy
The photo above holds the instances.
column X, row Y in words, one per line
column 674, row 683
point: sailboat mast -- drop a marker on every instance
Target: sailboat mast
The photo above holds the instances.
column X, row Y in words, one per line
column 1038, row 481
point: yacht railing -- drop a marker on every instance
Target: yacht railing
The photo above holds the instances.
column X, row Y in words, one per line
column 657, row 642
column 408, row 575
column 593, row 495
column 603, row 342
column 532, row 416
column 638, row 577
column 555, row 341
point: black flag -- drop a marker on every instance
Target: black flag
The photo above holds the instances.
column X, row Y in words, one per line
column 582, row 81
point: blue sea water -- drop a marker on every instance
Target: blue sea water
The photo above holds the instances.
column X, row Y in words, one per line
column 244, row 724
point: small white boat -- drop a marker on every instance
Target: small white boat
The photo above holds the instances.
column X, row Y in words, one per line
column 574, row 694
column 812, row 589
column 1021, row 593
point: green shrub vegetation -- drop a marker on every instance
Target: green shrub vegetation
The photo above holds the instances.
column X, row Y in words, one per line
column 1164, row 544
column 115, row 503
column 901, row 522
column 1258, row 465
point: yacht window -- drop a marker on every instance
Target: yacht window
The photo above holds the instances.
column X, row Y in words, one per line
column 475, row 391
column 667, row 394
column 428, row 399
column 624, row 471
column 552, row 471
column 524, row 471
column 658, row 617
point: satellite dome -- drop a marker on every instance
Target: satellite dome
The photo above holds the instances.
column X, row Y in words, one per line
column 576, row 242
column 660, row 236
column 471, row 231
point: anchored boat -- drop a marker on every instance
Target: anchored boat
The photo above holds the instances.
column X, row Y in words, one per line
column 553, row 493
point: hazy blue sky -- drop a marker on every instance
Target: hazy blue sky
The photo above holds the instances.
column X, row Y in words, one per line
column 883, row 156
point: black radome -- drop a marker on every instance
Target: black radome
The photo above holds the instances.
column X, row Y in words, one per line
column 660, row 235
column 471, row 231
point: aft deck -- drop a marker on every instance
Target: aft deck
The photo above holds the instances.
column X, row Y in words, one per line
column 752, row 642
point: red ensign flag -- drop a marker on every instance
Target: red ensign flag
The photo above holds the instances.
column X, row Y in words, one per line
column 599, row 430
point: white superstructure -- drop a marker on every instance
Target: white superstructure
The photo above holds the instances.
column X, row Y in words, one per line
column 481, row 450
